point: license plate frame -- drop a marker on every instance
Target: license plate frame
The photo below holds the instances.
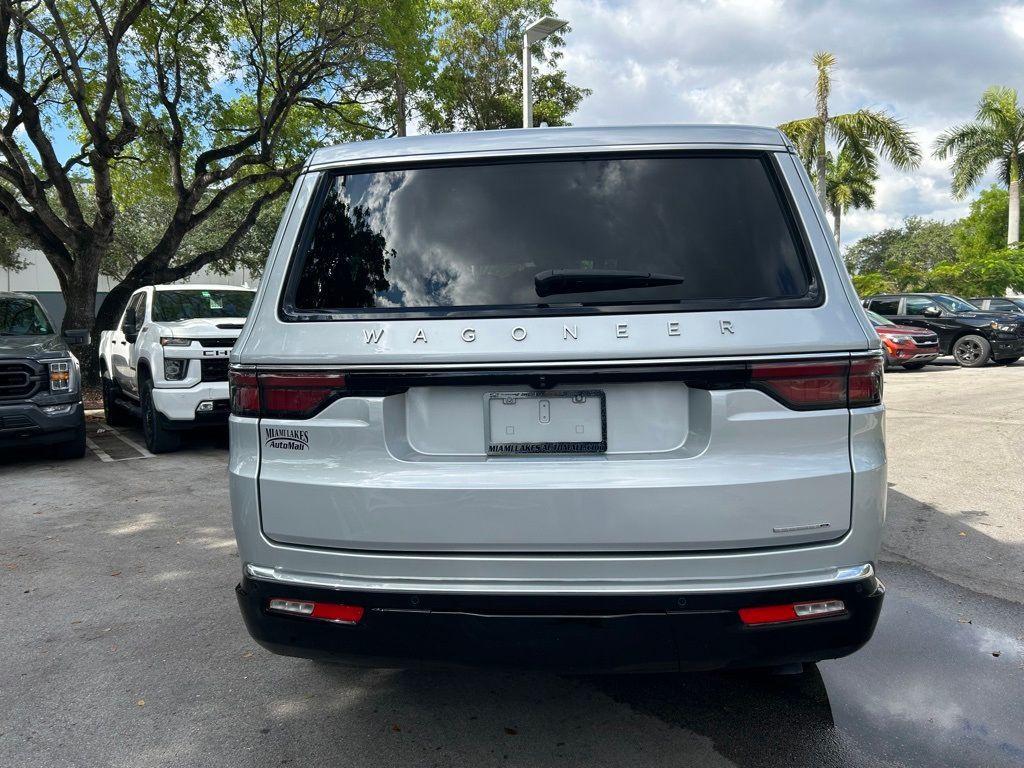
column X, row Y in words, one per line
column 497, row 447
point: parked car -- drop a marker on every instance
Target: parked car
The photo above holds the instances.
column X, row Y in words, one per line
column 40, row 380
column 167, row 360
column 905, row 346
column 971, row 336
column 539, row 398
column 1013, row 305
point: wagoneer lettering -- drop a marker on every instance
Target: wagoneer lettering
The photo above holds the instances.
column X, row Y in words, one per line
column 637, row 423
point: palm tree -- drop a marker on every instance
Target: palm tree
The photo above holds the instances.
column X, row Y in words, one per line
column 850, row 183
column 861, row 132
column 997, row 135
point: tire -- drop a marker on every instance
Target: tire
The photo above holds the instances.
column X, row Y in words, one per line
column 913, row 366
column 159, row 439
column 972, row 351
column 113, row 414
column 73, row 448
column 1008, row 360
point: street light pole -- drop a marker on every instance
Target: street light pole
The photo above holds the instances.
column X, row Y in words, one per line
column 534, row 34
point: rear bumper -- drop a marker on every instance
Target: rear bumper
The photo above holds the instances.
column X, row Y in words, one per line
column 27, row 424
column 583, row 634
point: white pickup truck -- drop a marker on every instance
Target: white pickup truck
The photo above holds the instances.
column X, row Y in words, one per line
column 167, row 360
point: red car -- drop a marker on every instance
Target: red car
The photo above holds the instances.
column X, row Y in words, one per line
column 905, row 346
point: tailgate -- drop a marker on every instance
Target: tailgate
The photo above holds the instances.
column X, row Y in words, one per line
column 690, row 461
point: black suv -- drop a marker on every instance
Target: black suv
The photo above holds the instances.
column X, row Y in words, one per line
column 972, row 336
column 40, row 382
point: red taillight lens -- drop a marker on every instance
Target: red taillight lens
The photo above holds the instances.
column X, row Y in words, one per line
column 289, row 395
column 822, row 383
column 865, row 382
column 307, row 609
column 283, row 394
column 245, row 393
column 775, row 614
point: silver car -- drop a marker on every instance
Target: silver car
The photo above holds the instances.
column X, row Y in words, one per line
column 589, row 399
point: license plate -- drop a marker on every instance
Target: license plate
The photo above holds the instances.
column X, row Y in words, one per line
column 570, row 421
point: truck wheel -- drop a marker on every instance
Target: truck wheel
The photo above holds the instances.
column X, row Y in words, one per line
column 73, row 448
column 113, row 414
column 159, row 439
column 972, row 351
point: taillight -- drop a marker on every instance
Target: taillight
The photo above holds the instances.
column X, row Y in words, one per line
column 820, row 384
column 865, row 382
column 290, row 395
column 283, row 394
column 776, row 614
column 308, row 609
column 245, row 393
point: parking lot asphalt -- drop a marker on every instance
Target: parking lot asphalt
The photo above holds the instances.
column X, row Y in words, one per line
column 122, row 644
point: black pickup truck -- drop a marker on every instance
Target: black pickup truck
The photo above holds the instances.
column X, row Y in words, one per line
column 40, row 381
column 971, row 336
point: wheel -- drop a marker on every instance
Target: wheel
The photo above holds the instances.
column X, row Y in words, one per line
column 159, row 439
column 972, row 351
column 913, row 366
column 113, row 414
column 1008, row 360
column 73, row 448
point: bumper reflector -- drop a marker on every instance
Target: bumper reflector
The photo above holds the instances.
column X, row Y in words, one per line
column 775, row 614
column 336, row 612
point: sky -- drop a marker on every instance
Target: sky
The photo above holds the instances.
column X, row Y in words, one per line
column 749, row 61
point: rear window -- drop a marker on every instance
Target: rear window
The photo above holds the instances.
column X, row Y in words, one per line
column 553, row 236
column 171, row 306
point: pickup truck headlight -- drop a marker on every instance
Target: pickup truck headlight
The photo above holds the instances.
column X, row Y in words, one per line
column 1003, row 327
column 175, row 368
column 60, row 376
column 174, row 341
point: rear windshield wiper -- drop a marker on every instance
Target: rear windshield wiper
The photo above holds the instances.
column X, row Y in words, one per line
column 555, row 281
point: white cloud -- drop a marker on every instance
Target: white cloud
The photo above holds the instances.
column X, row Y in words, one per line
column 749, row 61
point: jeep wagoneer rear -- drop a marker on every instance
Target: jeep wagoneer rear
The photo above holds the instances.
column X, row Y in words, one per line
column 583, row 399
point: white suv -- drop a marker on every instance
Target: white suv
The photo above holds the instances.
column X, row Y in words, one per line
column 167, row 360
column 585, row 399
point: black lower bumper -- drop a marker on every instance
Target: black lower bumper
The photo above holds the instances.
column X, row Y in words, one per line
column 1006, row 349
column 25, row 424
column 564, row 634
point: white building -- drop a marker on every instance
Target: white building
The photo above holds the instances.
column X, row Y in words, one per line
column 38, row 278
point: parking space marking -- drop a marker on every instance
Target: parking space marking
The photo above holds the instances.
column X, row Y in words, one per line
column 145, row 454
column 100, row 453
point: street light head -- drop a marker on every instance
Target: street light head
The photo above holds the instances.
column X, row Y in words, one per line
column 543, row 27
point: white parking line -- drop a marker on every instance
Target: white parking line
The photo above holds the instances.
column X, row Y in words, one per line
column 100, row 453
column 141, row 449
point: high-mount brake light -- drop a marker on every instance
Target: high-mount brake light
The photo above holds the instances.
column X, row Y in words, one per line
column 817, row 384
column 283, row 394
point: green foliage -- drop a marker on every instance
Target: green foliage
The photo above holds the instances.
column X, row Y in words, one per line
column 996, row 136
column 902, row 256
column 11, row 241
column 478, row 85
column 967, row 257
column 863, row 135
column 984, row 228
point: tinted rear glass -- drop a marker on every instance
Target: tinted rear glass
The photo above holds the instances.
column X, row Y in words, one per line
column 475, row 236
column 170, row 306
